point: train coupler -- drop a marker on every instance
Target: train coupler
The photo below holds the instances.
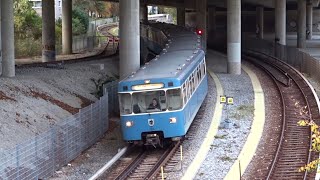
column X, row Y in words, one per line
column 153, row 140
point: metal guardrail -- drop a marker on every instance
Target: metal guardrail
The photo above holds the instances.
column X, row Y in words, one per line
column 41, row 156
column 302, row 61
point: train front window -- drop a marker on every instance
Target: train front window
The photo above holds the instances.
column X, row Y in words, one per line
column 174, row 99
column 150, row 101
column 125, row 103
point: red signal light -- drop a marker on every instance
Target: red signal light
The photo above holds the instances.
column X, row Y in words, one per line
column 199, row 32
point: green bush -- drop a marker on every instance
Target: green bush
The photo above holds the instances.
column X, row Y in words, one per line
column 80, row 21
column 27, row 47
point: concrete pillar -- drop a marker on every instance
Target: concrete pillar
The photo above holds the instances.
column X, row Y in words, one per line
column 234, row 36
column 48, row 31
column 260, row 22
column 301, row 24
column 129, row 37
column 212, row 19
column 201, row 9
column 0, row 41
column 7, row 34
column 181, row 16
column 309, row 20
column 66, row 26
column 144, row 13
column 280, row 21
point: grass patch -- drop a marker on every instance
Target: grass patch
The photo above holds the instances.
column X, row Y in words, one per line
column 226, row 158
column 243, row 111
column 223, row 136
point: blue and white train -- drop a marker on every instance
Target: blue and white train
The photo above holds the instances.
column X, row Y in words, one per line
column 176, row 80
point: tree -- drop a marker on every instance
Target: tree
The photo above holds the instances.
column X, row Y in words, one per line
column 80, row 21
column 95, row 8
column 27, row 23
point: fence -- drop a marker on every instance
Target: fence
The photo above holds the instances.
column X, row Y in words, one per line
column 111, row 89
column 299, row 59
column 41, row 156
column 84, row 42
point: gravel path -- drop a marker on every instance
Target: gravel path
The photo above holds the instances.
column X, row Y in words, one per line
column 229, row 140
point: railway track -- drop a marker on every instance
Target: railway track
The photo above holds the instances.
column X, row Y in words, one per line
column 106, row 52
column 140, row 163
column 291, row 148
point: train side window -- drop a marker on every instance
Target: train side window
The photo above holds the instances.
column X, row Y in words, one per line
column 190, row 88
column 184, row 93
column 195, row 79
column 174, row 99
column 125, row 103
column 198, row 74
column 204, row 68
column 193, row 83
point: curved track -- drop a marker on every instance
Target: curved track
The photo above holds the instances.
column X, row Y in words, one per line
column 108, row 50
column 291, row 149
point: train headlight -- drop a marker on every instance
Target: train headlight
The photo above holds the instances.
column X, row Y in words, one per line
column 129, row 123
column 173, row 120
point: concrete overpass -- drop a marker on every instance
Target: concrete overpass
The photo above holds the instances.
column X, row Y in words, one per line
column 130, row 11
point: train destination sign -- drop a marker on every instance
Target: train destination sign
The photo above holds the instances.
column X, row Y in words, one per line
column 147, row 86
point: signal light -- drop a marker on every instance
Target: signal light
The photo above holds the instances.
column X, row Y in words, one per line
column 199, row 32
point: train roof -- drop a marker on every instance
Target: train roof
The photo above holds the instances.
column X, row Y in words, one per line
column 181, row 52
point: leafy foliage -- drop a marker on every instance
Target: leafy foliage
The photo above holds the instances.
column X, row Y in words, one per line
column 99, row 84
column 315, row 144
column 95, row 8
column 27, row 23
column 80, row 21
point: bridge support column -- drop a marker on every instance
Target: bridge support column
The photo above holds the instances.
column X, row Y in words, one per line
column 0, row 40
column 301, row 24
column 66, row 26
column 234, row 36
column 201, row 7
column 181, row 16
column 7, row 37
column 144, row 13
column 280, row 21
column 260, row 22
column 48, row 31
column 129, row 37
column 309, row 20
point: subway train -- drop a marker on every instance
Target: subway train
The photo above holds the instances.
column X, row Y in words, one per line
column 159, row 101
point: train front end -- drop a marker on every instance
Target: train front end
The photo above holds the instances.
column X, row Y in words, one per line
column 150, row 114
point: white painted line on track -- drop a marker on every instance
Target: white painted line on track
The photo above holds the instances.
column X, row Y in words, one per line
column 109, row 164
column 213, row 129
column 253, row 138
